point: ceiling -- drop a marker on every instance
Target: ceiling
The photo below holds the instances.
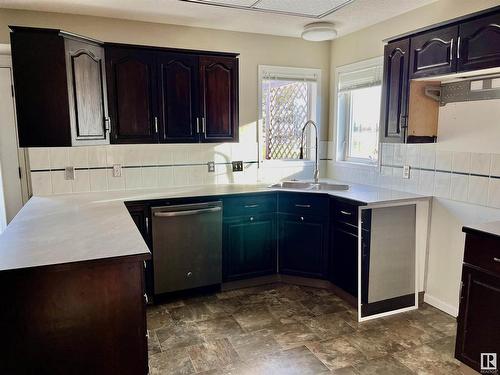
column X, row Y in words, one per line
column 351, row 16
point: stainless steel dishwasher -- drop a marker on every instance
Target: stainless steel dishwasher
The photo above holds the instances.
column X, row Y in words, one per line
column 187, row 246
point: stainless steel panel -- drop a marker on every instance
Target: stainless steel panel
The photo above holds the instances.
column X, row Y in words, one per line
column 187, row 246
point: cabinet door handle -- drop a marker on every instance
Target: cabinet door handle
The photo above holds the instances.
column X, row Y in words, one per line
column 156, row 124
column 197, row 125
column 251, row 205
column 345, row 213
column 203, row 125
column 451, row 50
column 303, row 205
column 495, row 259
column 458, row 48
column 146, row 298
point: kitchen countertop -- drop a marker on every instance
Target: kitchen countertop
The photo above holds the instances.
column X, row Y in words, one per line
column 60, row 229
column 490, row 228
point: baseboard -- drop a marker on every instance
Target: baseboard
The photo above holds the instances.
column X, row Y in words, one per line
column 443, row 306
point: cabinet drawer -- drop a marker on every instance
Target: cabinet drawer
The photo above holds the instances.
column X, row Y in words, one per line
column 303, row 204
column 242, row 205
column 483, row 252
column 345, row 212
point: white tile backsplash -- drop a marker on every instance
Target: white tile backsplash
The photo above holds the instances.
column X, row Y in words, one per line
column 59, row 184
column 39, row 158
column 459, row 187
column 98, row 180
column 78, row 157
column 480, row 163
column 494, row 193
column 461, row 162
column 478, row 190
column 133, row 178
column 41, row 183
column 442, row 184
column 81, row 183
column 443, row 160
column 495, row 165
column 59, row 157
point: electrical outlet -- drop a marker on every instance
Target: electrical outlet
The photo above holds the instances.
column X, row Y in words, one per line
column 117, row 170
column 211, row 166
column 69, row 173
column 406, row 171
column 238, row 166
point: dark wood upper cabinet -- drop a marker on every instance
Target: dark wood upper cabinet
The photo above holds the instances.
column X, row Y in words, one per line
column 219, row 98
column 179, row 101
column 394, row 109
column 60, row 88
column 434, row 53
column 132, row 95
column 87, row 92
column 479, row 46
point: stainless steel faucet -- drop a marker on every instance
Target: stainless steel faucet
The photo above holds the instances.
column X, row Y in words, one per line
column 316, row 168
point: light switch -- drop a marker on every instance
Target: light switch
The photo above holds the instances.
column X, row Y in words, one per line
column 406, row 171
column 69, row 173
column 211, row 166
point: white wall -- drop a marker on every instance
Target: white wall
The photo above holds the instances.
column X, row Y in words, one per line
column 462, row 170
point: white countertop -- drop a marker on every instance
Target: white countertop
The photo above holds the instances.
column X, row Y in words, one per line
column 492, row 228
column 61, row 229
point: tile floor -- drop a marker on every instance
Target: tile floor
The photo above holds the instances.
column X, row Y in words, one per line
column 287, row 329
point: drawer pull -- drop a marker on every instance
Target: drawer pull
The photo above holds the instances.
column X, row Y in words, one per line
column 251, row 218
column 495, row 259
column 302, row 218
column 303, row 205
column 345, row 213
column 252, row 205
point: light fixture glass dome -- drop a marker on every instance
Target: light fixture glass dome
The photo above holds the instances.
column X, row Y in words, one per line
column 319, row 31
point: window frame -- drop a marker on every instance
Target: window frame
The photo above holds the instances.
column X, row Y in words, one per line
column 291, row 73
column 342, row 131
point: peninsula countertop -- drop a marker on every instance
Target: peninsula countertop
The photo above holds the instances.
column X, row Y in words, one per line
column 60, row 229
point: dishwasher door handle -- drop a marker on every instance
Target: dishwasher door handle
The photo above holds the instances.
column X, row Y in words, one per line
column 187, row 213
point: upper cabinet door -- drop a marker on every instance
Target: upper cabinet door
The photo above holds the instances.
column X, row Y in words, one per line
column 178, row 87
column 479, row 44
column 87, row 93
column 131, row 75
column 219, row 98
column 395, row 92
column 434, row 53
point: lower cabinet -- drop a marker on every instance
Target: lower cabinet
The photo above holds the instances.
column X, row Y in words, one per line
column 478, row 329
column 302, row 242
column 344, row 259
column 249, row 246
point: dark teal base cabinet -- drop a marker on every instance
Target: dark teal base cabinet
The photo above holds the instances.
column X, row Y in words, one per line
column 344, row 259
column 249, row 246
column 303, row 245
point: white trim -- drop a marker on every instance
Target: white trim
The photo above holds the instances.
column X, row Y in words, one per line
column 5, row 49
column 418, row 206
column 443, row 306
column 291, row 72
column 364, row 64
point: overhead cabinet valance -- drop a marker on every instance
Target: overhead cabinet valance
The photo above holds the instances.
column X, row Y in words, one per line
column 72, row 90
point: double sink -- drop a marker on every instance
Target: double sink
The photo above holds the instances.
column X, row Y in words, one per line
column 304, row 185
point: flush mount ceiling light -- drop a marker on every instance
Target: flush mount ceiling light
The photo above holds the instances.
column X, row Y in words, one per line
column 319, row 32
column 301, row 8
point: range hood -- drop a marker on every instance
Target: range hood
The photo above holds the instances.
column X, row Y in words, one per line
column 464, row 87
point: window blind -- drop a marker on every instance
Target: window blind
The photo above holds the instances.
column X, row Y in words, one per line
column 362, row 78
